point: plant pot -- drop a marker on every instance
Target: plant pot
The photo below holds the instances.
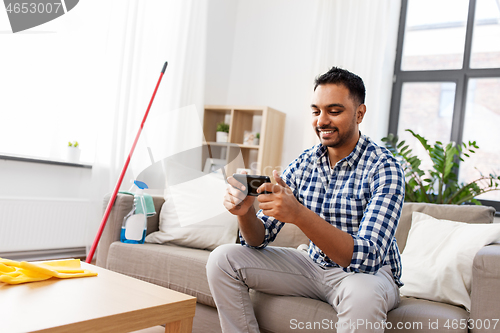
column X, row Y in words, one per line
column 221, row 136
column 73, row 154
column 256, row 141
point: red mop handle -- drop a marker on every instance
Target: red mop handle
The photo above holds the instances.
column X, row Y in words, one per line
column 120, row 179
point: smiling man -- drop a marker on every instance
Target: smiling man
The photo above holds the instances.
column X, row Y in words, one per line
column 346, row 195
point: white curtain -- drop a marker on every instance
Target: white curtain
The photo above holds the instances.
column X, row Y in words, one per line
column 89, row 76
column 142, row 36
column 360, row 36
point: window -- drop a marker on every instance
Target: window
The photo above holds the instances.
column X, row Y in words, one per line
column 52, row 83
column 447, row 79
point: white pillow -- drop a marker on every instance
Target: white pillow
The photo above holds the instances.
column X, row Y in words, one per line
column 437, row 259
column 193, row 215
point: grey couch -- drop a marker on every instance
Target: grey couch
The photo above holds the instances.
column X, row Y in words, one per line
column 183, row 269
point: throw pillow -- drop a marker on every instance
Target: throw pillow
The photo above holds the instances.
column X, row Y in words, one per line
column 193, row 215
column 437, row 259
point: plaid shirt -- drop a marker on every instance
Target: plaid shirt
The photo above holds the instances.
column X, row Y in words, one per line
column 362, row 195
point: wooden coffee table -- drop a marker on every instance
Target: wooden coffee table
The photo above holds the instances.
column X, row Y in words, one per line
column 109, row 302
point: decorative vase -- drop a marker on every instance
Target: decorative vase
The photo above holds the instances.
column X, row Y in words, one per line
column 221, row 136
column 73, row 154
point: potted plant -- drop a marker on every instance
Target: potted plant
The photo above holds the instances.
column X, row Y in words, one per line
column 73, row 152
column 222, row 132
column 256, row 139
column 440, row 183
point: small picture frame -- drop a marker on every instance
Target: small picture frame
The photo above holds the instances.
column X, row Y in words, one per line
column 248, row 137
column 214, row 165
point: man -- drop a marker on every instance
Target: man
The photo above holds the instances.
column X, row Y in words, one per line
column 346, row 195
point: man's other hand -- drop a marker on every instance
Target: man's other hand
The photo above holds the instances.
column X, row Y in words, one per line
column 280, row 203
column 236, row 201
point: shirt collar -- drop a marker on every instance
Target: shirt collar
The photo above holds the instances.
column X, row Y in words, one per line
column 353, row 158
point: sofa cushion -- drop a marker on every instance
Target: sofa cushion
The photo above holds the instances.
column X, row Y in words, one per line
column 462, row 213
column 437, row 260
column 290, row 314
column 175, row 267
column 281, row 314
column 290, row 236
column 217, row 228
column 418, row 315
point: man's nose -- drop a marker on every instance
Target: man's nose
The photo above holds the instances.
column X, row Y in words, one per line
column 323, row 119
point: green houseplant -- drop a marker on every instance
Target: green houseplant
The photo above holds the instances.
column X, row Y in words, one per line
column 256, row 139
column 440, row 183
column 73, row 152
column 222, row 132
column 74, row 144
column 223, row 127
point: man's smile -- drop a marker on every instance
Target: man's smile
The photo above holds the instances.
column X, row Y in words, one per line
column 326, row 132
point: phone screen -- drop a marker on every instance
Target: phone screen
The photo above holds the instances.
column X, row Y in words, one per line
column 252, row 182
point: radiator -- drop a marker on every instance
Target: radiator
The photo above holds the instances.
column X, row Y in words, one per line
column 28, row 225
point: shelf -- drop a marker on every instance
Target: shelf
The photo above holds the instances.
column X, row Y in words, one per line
column 221, row 144
column 244, row 120
column 29, row 159
column 249, row 146
column 227, row 144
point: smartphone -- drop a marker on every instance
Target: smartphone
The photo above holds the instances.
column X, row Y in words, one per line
column 252, row 182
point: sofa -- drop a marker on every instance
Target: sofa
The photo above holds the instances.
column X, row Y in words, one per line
column 183, row 269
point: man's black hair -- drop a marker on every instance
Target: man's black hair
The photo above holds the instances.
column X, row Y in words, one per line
column 343, row 77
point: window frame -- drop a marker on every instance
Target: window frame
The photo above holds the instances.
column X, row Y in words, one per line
column 459, row 76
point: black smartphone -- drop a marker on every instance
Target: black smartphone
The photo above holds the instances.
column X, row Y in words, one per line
column 252, row 182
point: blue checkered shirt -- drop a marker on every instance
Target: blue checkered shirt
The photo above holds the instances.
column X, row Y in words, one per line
column 362, row 195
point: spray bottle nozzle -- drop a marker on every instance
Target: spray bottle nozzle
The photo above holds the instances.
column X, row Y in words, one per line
column 140, row 184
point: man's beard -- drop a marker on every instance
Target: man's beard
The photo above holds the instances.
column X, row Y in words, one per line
column 326, row 143
column 339, row 141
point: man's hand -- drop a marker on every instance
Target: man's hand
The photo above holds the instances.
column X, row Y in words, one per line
column 236, row 201
column 281, row 203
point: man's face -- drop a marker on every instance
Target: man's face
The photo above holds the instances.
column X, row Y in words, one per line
column 335, row 116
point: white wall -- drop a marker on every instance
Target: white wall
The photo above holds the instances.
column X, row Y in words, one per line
column 270, row 48
column 221, row 24
column 37, row 180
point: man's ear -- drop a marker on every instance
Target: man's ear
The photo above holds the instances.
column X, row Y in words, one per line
column 360, row 113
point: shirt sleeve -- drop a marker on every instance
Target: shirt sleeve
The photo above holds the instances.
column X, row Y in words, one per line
column 380, row 219
column 273, row 226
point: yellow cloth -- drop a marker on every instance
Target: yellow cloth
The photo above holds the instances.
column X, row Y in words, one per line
column 14, row 272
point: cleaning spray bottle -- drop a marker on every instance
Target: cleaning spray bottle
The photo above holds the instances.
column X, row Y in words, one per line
column 135, row 223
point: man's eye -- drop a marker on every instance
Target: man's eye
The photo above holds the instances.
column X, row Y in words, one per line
column 315, row 113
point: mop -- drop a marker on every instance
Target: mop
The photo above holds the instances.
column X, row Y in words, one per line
column 120, row 179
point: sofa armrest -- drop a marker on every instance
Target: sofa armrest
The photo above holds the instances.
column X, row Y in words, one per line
column 485, row 290
column 122, row 206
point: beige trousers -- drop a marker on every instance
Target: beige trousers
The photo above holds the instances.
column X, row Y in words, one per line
column 356, row 297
